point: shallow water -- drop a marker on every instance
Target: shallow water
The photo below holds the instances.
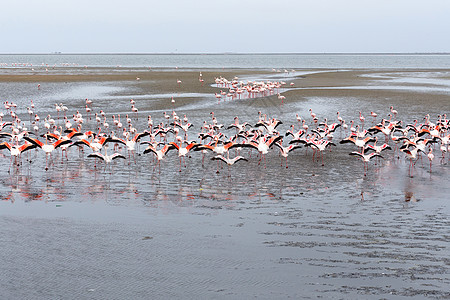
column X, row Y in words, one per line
column 341, row 61
column 252, row 230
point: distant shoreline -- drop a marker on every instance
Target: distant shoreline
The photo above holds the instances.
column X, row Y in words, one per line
column 238, row 53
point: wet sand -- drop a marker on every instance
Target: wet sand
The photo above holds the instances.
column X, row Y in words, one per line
column 305, row 231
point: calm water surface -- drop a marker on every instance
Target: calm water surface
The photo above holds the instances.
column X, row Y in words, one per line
column 327, row 61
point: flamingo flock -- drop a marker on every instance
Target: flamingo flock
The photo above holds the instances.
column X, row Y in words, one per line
column 228, row 144
column 238, row 89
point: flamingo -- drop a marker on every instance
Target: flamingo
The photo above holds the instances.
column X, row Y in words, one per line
column 96, row 145
column 339, row 118
column 160, row 154
column 58, row 109
column 358, row 142
column 239, row 127
column 229, row 161
column 286, row 150
column 320, row 145
column 47, row 148
column 430, row 156
column 366, row 158
column 135, row 110
column 270, row 126
column 295, row 134
column 362, row 119
column 376, row 148
column 281, row 97
column 182, row 151
column 411, row 154
column 88, row 111
column 374, row 115
column 105, row 157
column 16, row 150
column 218, row 149
column 393, row 111
column 313, row 116
column 263, row 145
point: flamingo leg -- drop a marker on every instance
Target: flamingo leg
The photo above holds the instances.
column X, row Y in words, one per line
column 9, row 170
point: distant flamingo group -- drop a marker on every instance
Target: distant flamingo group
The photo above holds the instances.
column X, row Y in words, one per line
column 238, row 89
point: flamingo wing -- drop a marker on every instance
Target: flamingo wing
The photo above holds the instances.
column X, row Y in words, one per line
column 219, row 157
column 5, row 145
column 80, row 142
column 98, row 155
column 61, row 142
column 204, row 147
column 372, row 155
column 33, row 141
column 150, row 149
column 238, row 158
column 116, row 140
column 138, row 136
column 27, row 146
column 167, row 148
column 192, row 146
column 347, row 140
column 174, row 145
column 117, row 155
column 293, row 147
column 273, row 140
column 355, row 153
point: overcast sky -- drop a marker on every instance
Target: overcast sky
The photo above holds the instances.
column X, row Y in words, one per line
column 208, row 26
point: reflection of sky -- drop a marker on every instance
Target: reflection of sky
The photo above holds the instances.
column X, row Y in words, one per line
column 204, row 190
column 421, row 89
column 418, row 78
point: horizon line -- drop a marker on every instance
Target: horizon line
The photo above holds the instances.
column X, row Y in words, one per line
column 228, row 53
